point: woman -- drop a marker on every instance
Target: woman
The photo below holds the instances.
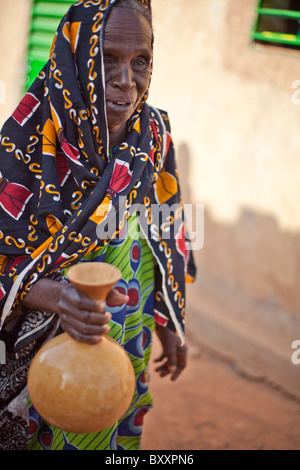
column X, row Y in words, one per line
column 82, row 147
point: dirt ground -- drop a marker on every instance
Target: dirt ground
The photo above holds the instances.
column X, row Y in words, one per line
column 212, row 407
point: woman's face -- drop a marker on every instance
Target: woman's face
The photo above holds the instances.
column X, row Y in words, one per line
column 127, row 57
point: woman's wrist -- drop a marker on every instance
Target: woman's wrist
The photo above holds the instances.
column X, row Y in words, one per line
column 44, row 296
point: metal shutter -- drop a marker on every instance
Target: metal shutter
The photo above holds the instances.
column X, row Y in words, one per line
column 278, row 22
column 45, row 19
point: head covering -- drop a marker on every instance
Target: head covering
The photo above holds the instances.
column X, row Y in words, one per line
column 58, row 186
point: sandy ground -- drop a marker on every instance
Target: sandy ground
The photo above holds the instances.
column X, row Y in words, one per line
column 212, row 407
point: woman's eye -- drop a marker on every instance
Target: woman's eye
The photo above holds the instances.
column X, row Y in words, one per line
column 107, row 60
column 141, row 63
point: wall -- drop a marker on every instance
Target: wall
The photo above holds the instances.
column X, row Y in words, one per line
column 236, row 130
column 14, row 21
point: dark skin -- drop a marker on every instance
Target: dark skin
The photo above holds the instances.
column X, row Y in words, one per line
column 127, row 61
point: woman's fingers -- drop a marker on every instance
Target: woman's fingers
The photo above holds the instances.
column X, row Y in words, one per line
column 85, row 328
column 174, row 354
column 85, row 319
column 84, row 332
column 88, row 317
column 115, row 298
column 81, row 317
column 70, row 295
column 88, row 339
column 172, row 369
column 181, row 362
column 159, row 358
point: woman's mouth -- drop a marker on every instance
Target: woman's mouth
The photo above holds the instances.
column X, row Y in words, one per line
column 119, row 106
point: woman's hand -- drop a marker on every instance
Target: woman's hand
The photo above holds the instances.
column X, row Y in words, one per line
column 174, row 353
column 85, row 319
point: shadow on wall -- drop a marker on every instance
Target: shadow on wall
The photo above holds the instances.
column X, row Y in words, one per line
column 254, row 257
column 245, row 303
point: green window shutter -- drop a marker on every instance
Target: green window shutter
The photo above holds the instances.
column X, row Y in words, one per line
column 45, row 18
column 278, row 23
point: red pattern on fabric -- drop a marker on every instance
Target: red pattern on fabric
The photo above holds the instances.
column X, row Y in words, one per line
column 139, row 418
column 13, row 198
column 181, row 241
column 62, row 168
column 160, row 318
column 26, row 109
column 120, row 179
column 2, row 292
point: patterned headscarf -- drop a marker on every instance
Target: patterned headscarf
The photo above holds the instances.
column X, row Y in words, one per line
column 58, row 185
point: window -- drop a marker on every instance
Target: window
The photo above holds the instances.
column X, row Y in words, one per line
column 278, row 23
column 45, row 18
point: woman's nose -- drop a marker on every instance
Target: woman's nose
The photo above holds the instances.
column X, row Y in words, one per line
column 123, row 77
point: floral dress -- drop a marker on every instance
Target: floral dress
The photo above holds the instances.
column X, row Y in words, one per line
column 132, row 326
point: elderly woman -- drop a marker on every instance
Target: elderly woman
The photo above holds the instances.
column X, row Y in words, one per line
column 83, row 144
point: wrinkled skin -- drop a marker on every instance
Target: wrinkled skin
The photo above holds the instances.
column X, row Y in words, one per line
column 127, row 59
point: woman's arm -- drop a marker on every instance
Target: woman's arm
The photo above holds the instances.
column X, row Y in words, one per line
column 44, row 296
column 82, row 318
column 174, row 353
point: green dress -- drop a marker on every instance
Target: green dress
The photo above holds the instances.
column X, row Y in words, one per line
column 132, row 326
